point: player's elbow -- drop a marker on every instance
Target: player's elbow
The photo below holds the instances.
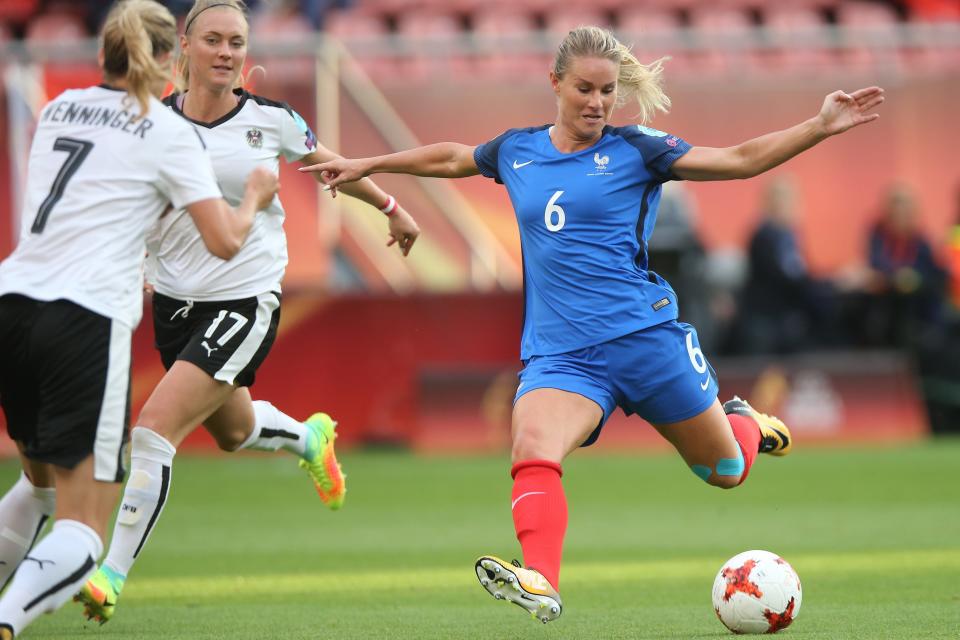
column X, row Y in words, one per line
column 223, row 248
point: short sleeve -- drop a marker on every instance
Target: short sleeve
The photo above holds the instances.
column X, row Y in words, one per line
column 296, row 137
column 487, row 155
column 658, row 149
column 186, row 174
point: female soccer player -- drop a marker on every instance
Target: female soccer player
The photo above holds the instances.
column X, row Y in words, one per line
column 99, row 177
column 600, row 328
column 215, row 321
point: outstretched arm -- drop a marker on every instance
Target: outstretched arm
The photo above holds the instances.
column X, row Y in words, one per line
column 441, row 160
column 402, row 228
column 840, row 112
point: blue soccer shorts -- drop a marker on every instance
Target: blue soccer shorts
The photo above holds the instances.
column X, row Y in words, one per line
column 658, row 373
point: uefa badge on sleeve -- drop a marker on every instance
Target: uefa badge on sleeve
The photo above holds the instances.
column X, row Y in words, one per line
column 255, row 138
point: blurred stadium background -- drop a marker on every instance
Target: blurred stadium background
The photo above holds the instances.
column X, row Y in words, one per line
column 846, row 329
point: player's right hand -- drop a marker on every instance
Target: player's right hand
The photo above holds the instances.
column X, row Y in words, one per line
column 337, row 171
column 264, row 184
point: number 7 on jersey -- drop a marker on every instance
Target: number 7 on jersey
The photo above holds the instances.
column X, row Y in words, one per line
column 77, row 151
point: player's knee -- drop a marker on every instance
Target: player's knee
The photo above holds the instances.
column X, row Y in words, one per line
column 724, row 482
column 708, row 475
column 530, row 443
column 727, row 473
column 230, row 442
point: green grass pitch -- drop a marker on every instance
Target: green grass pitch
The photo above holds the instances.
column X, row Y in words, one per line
column 245, row 550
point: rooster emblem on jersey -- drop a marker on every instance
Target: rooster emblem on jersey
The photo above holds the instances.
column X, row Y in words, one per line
column 601, row 161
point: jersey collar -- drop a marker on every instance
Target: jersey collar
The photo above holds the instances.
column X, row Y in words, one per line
column 241, row 94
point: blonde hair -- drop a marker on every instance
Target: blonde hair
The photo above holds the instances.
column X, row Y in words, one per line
column 134, row 33
column 641, row 82
column 182, row 78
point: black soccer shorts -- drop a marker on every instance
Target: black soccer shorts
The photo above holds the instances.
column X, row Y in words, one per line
column 227, row 339
column 65, row 383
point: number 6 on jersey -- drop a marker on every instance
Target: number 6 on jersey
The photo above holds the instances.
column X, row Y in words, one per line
column 554, row 210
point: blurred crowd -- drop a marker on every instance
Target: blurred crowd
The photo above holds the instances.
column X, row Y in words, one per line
column 25, row 18
column 36, row 18
column 904, row 293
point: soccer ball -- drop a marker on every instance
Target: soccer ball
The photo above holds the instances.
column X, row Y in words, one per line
column 756, row 592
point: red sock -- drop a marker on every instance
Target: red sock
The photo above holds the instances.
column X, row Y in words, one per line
column 540, row 515
column 747, row 434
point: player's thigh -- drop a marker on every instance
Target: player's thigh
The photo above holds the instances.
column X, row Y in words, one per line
column 185, row 397
column 660, row 373
column 548, row 424
column 231, row 424
column 235, row 339
column 80, row 368
column 703, row 439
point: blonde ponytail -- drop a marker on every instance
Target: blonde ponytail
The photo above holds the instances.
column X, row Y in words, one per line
column 635, row 80
column 134, row 33
column 182, row 77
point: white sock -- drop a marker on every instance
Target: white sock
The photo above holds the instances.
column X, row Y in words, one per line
column 151, row 462
column 23, row 512
column 273, row 429
column 51, row 573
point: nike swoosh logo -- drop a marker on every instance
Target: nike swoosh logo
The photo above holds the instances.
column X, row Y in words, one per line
column 705, row 384
column 517, row 165
column 528, row 493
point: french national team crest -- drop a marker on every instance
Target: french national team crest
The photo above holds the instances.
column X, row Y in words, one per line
column 255, row 138
column 601, row 164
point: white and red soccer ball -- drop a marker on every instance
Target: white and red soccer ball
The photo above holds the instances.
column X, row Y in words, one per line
column 756, row 592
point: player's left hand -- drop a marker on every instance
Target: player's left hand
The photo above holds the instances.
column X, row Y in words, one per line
column 403, row 230
column 842, row 111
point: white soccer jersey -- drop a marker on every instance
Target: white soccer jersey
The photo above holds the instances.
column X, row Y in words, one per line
column 254, row 134
column 98, row 180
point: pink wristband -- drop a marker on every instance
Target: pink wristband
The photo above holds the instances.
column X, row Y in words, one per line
column 390, row 206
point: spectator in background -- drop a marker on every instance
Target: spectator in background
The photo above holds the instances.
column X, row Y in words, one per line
column 679, row 256
column 953, row 259
column 937, row 349
column 783, row 309
column 316, row 10
column 905, row 288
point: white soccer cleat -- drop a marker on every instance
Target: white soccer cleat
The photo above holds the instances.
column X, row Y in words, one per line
column 526, row 588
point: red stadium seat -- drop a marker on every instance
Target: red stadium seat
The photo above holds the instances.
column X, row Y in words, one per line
column 934, row 10
column 504, row 36
column 16, row 12
column 560, row 21
column 355, row 24
column 283, row 73
column 653, row 33
column 722, row 34
column 431, row 38
column 867, row 30
column 56, row 27
column 797, row 37
column 358, row 29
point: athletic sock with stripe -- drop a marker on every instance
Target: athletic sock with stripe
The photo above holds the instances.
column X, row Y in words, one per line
column 273, row 429
column 151, row 462
column 51, row 573
column 747, row 434
column 23, row 512
column 539, row 508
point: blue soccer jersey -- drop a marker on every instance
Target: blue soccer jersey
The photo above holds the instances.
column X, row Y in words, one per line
column 585, row 219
